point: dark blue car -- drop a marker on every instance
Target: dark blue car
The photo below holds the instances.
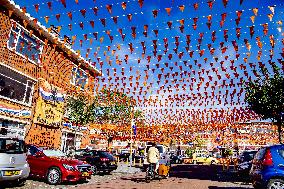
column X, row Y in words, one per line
column 268, row 168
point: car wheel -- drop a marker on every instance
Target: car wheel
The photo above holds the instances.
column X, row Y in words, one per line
column 94, row 170
column 275, row 184
column 54, row 176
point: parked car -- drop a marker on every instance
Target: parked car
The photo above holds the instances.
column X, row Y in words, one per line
column 176, row 159
column 101, row 161
column 267, row 169
column 245, row 162
column 13, row 161
column 55, row 167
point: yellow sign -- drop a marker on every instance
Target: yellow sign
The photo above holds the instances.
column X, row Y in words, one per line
column 11, row 173
column 50, row 105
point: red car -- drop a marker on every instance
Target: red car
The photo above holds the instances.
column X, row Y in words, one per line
column 53, row 166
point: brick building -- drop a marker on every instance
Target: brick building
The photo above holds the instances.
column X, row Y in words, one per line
column 37, row 70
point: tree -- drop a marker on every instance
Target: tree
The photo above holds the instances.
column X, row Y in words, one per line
column 264, row 95
column 80, row 111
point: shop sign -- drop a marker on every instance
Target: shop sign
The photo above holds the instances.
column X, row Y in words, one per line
column 50, row 105
column 10, row 110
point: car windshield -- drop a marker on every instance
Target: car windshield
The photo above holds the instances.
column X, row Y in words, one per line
column 105, row 154
column 54, row 153
column 12, row 146
column 247, row 156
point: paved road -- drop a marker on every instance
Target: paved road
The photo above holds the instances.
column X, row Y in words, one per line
column 181, row 177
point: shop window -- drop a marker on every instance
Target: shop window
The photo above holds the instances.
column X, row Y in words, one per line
column 24, row 43
column 15, row 86
column 13, row 129
column 79, row 78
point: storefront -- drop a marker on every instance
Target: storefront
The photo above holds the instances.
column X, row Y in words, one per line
column 68, row 140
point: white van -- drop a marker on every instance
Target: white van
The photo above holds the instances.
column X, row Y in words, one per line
column 13, row 161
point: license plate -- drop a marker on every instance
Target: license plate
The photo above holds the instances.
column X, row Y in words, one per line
column 11, row 173
column 85, row 174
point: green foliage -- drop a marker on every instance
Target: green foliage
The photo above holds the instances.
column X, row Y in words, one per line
column 228, row 152
column 79, row 110
column 189, row 152
column 115, row 108
column 265, row 94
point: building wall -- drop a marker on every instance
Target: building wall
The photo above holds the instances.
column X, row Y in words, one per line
column 55, row 68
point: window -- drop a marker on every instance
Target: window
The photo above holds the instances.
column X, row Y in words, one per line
column 25, row 44
column 13, row 129
column 12, row 146
column 79, row 78
column 14, row 86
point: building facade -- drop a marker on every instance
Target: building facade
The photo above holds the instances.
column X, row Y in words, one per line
column 37, row 72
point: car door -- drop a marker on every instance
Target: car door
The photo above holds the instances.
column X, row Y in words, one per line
column 33, row 160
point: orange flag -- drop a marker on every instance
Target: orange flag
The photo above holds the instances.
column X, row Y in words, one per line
column 181, row 8
column 46, row 18
column 109, row 8
column 63, row 3
column 92, row 22
column 252, row 19
column 155, row 13
column 36, row 7
column 70, row 15
column 129, row 16
column 57, row 17
column 195, row 6
column 210, row 4
column 168, row 10
column 123, row 5
column 83, row 12
column 49, row 5
column 255, row 11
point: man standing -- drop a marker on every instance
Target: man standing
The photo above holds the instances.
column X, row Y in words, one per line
column 153, row 156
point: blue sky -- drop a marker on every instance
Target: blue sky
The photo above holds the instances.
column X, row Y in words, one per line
column 195, row 98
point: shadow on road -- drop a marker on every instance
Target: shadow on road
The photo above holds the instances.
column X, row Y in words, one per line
column 217, row 187
column 204, row 172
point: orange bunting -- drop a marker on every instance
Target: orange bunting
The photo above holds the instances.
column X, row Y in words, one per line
column 63, row 3
column 95, row 10
column 170, row 23
column 129, row 17
column 70, row 15
column 57, row 17
column 49, row 4
column 83, row 12
column 114, row 19
column 46, row 18
column 181, row 8
column 210, row 4
column 195, row 6
column 255, row 11
column 123, row 5
column 103, row 21
column 109, row 8
column 155, row 13
column 168, row 10
column 140, row 3
column 92, row 22
column 36, row 7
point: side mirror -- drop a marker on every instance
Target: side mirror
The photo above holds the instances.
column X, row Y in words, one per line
column 39, row 154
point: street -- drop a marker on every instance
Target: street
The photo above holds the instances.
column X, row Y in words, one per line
column 181, row 177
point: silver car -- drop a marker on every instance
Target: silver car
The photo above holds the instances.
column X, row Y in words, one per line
column 13, row 161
